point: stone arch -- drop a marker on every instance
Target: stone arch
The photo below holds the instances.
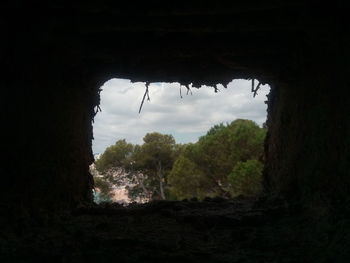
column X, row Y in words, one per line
column 55, row 61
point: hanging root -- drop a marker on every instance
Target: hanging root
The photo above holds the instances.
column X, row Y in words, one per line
column 144, row 96
column 188, row 89
column 216, row 90
column 255, row 89
column 97, row 109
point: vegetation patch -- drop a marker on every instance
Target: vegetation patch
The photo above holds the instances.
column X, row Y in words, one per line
column 226, row 162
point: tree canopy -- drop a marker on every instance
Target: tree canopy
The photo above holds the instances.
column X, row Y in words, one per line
column 226, row 162
column 116, row 155
column 215, row 156
column 142, row 168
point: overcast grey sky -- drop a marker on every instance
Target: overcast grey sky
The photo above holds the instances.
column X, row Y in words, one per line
column 186, row 119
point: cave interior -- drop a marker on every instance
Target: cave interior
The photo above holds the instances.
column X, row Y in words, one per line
column 55, row 58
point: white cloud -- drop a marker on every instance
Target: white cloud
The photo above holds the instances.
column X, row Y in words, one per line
column 166, row 112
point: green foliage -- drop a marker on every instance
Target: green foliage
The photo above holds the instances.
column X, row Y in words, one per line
column 186, row 180
column 103, row 189
column 143, row 168
column 116, row 155
column 155, row 158
column 246, row 178
column 102, row 185
column 214, row 157
column 156, row 149
column 226, row 161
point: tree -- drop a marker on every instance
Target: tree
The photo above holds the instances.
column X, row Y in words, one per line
column 102, row 186
column 155, row 158
column 186, row 180
column 103, row 190
column 142, row 168
column 247, row 140
column 224, row 146
column 246, row 178
column 215, row 155
column 117, row 155
column 160, row 168
column 111, row 168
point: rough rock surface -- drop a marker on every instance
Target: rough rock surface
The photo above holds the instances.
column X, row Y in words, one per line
column 57, row 56
column 54, row 58
column 214, row 230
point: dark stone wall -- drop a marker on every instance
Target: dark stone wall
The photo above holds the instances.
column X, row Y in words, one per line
column 49, row 108
column 54, row 61
column 308, row 143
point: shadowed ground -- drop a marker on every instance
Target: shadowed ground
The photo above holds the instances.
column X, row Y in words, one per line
column 214, row 230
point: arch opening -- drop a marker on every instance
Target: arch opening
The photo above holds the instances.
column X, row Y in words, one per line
column 194, row 120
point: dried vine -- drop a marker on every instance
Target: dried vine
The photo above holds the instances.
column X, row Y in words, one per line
column 255, row 89
column 144, row 96
column 188, row 89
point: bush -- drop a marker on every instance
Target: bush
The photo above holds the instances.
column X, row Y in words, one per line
column 246, row 178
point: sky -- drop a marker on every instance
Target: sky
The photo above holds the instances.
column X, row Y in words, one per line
column 186, row 118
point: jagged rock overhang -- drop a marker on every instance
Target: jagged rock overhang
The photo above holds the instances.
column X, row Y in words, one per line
column 190, row 42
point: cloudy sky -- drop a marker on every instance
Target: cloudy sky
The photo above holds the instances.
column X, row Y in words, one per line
column 185, row 118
